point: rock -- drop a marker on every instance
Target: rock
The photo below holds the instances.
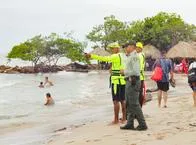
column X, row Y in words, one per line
column 11, row 71
column 27, row 70
column 3, row 67
column 45, row 69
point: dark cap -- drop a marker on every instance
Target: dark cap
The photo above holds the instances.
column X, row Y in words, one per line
column 128, row 44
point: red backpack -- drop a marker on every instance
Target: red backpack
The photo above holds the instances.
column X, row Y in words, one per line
column 157, row 74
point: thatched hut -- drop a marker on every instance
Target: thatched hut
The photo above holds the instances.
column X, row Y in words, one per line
column 193, row 44
column 182, row 50
column 151, row 51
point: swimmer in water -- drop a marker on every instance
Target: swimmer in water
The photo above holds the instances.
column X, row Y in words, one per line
column 47, row 82
column 49, row 100
column 41, row 85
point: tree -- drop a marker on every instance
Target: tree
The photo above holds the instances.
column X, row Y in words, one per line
column 48, row 50
column 163, row 30
column 112, row 30
column 57, row 47
column 30, row 50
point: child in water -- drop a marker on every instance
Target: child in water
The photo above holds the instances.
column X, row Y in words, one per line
column 41, row 85
column 49, row 100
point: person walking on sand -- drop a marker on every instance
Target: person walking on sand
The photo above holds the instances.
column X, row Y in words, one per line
column 117, row 80
column 132, row 90
column 49, row 100
column 139, row 47
column 48, row 82
column 163, row 85
column 192, row 80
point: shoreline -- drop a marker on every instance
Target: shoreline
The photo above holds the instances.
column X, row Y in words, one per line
column 92, row 115
column 173, row 125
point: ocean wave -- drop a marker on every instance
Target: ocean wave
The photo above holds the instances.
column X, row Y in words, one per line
column 8, row 84
column 6, row 117
column 64, row 102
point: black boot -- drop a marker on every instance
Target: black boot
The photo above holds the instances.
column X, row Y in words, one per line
column 141, row 128
column 127, row 127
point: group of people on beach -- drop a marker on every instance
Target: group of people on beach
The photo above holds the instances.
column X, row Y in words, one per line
column 47, row 83
column 127, row 82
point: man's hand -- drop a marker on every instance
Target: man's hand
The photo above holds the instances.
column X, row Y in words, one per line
column 87, row 55
column 122, row 72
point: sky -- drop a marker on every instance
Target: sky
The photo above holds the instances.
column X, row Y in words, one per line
column 23, row 19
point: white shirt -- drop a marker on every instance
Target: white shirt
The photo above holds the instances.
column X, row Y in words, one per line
column 132, row 65
column 192, row 65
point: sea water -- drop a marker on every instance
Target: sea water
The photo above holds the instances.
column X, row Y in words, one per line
column 79, row 98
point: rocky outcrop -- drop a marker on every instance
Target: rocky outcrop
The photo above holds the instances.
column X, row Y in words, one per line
column 75, row 67
column 9, row 70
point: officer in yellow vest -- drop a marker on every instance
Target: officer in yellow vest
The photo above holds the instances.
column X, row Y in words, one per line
column 117, row 80
column 139, row 47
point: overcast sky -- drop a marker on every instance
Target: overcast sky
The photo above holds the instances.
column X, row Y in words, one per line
column 23, row 19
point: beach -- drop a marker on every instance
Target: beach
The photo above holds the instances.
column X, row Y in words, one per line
column 175, row 125
column 83, row 111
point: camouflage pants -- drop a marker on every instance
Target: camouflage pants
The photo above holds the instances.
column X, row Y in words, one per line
column 132, row 103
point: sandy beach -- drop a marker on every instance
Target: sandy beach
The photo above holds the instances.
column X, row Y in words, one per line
column 175, row 125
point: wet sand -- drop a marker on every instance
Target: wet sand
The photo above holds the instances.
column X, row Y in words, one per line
column 175, row 125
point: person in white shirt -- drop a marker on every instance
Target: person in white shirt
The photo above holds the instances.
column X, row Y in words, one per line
column 192, row 79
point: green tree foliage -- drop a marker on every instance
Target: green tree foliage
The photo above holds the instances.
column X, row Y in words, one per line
column 30, row 50
column 112, row 30
column 48, row 50
column 163, row 31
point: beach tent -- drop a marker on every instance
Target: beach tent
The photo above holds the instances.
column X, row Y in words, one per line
column 100, row 51
column 183, row 50
column 151, row 51
column 193, row 44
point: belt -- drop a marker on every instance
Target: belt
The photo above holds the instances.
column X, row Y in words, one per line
column 115, row 73
column 131, row 77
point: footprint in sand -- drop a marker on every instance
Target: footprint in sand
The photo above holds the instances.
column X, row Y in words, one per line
column 96, row 140
column 69, row 142
column 88, row 141
column 159, row 136
column 107, row 135
column 169, row 123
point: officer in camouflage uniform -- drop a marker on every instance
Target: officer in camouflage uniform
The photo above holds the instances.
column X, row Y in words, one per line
column 132, row 89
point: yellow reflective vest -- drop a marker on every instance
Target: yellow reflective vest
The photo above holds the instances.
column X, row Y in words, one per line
column 117, row 65
column 142, row 65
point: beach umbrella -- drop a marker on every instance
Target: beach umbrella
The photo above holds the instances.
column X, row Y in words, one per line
column 100, row 51
column 151, row 51
column 183, row 50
